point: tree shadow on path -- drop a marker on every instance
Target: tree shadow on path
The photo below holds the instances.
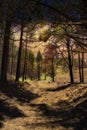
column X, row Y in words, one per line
column 60, row 88
column 17, row 91
column 8, row 111
column 65, row 114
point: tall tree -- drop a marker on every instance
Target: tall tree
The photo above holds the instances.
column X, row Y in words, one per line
column 19, row 52
column 79, row 66
column 39, row 59
column 70, row 61
column 5, row 55
column 82, row 61
column 25, row 60
column 31, row 59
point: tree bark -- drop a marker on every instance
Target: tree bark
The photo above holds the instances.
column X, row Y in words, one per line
column 12, row 61
column 45, row 72
column 19, row 54
column 38, row 71
column 5, row 54
column 52, row 70
column 79, row 65
column 82, row 67
column 70, row 62
column 25, row 63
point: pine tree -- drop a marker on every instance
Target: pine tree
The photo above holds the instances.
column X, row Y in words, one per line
column 39, row 59
column 31, row 60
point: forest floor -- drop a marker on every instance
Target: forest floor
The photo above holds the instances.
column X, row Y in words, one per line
column 43, row 105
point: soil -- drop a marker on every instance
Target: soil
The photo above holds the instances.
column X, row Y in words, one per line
column 43, row 105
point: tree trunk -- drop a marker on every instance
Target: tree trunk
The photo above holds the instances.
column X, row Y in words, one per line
column 12, row 65
column 5, row 54
column 25, row 62
column 70, row 68
column 70, row 63
column 82, row 67
column 52, row 70
column 12, row 57
column 19, row 54
column 38, row 70
column 45, row 72
column 79, row 63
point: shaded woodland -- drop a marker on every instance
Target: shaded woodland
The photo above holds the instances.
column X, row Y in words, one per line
column 43, row 54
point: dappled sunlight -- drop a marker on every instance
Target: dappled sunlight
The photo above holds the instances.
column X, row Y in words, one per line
column 8, row 111
column 43, row 65
column 16, row 90
column 50, row 106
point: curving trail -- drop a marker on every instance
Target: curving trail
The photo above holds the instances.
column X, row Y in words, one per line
column 43, row 106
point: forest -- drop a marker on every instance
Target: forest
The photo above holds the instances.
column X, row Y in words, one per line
column 43, row 65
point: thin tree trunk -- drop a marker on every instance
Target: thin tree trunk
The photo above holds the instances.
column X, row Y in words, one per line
column 25, row 62
column 12, row 65
column 70, row 63
column 19, row 54
column 70, row 69
column 72, row 57
column 38, row 69
column 79, row 63
column 45, row 73
column 82, row 67
column 52, row 70
column 12, row 58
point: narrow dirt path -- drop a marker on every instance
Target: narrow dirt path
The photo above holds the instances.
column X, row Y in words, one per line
column 53, row 108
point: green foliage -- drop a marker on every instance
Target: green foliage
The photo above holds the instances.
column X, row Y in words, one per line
column 39, row 57
column 44, row 36
column 60, row 61
column 62, row 31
